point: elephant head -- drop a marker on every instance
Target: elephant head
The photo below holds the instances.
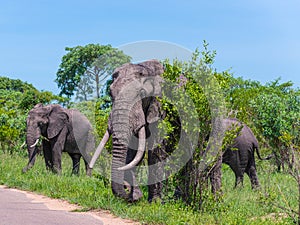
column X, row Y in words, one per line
column 41, row 123
column 133, row 91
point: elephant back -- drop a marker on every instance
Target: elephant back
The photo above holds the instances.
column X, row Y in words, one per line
column 244, row 137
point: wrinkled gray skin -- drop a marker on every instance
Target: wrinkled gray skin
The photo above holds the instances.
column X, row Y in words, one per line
column 63, row 130
column 135, row 108
column 239, row 156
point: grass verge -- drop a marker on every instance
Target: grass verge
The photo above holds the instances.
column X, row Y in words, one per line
column 239, row 206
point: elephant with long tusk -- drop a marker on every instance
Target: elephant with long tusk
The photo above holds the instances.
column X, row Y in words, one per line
column 132, row 126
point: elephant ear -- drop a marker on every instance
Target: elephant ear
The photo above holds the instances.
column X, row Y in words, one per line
column 58, row 118
column 155, row 69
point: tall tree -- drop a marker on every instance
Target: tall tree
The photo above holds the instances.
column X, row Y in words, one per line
column 85, row 68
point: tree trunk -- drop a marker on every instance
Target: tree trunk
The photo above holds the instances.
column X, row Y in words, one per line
column 97, row 86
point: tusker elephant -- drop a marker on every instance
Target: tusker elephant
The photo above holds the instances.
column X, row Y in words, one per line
column 62, row 130
column 239, row 155
column 132, row 125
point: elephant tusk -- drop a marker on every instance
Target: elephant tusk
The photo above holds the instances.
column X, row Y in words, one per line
column 24, row 143
column 140, row 152
column 99, row 149
column 35, row 143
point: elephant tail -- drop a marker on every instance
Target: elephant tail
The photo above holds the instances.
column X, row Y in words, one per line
column 258, row 154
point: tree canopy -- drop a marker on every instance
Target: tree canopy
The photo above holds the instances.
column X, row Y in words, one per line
column 15, row 85
column 84, row 69
column 16, row 99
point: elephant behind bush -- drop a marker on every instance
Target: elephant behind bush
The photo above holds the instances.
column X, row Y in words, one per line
column 239, row 155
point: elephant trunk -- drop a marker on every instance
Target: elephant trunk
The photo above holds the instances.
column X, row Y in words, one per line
column 127, row 118
column 120, row 138
column 32, row 137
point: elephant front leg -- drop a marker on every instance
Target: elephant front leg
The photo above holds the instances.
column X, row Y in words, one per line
column 57, row 147
column 76, row 162
column 135, row 192
column 56, row 155
column 88, row 170
column 216, row 176
column 156, row 174
column 47, row 154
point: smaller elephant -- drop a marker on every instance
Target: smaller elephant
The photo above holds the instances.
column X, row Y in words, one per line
column 63, row 130
column 239, row 156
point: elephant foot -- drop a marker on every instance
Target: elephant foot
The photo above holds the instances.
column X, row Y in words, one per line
column 239, row 183
column 56, row 171
column 255, row 187
column 239, row 186
column 137, row 194
column 89, row 172
column 122, row 195
column 25, row 169
column 75, row 172
column 156, row 199
column 119, row 191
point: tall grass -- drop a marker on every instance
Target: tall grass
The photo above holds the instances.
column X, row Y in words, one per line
column 239, row 206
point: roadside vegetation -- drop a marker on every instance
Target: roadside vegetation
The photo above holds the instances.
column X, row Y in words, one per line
column 238, row 206
column 271, row 110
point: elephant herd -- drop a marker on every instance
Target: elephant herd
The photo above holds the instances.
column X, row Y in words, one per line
column 132, row 125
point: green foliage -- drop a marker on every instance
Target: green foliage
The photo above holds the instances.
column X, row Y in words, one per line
column 271, row 111
column 230, row 135
column 97, row 113
column 197, row 98
column 277, row 115
column 32, row 97
column 14, row 85
column 84, row 68
column 15, row 102
column 12, row 120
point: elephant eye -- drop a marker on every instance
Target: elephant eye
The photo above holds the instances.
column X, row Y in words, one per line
column 115, row 75
column 41, row 123
column 143, row 93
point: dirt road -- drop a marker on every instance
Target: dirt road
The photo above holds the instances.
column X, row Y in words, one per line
column 27, row 208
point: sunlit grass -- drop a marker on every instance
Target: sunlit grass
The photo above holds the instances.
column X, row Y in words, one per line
column 239, row 206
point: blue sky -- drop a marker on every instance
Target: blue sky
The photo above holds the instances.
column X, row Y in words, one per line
column 258, row 39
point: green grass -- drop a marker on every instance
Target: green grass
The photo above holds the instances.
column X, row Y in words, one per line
column 239, row 206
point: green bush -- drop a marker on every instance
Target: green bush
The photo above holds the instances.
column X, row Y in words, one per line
column 16, row 99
